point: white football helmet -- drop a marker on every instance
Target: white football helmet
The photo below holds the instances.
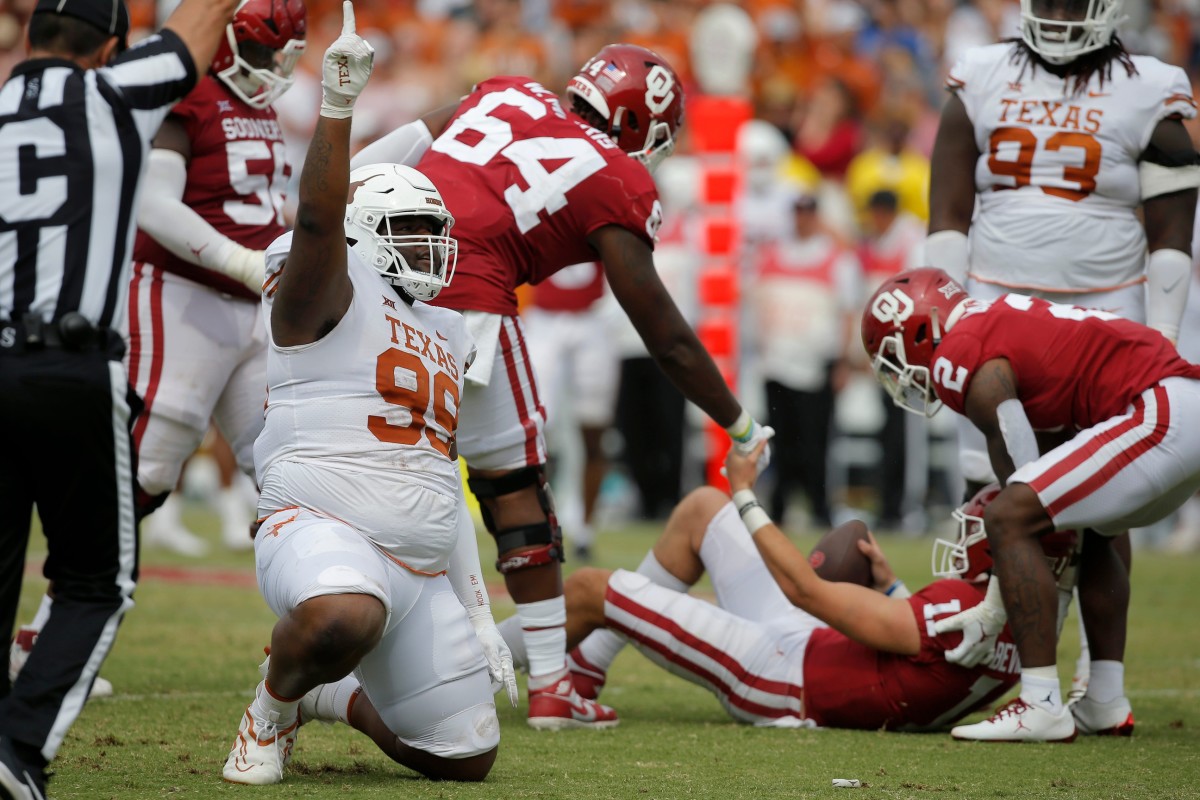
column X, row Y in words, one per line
column 381, row 196
column 1061, row 31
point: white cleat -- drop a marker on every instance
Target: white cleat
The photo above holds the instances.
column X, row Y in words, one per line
column 1114, row 718
column 175, row 538
column 261, row 751
column 1017, row 721
column 22, row 647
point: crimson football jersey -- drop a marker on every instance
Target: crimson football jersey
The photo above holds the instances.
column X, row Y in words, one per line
column 527, row 181
column 1075, row 367
column 850, row 685
column 574, row 288
column 236, row 178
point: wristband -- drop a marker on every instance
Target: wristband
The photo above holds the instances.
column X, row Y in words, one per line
column 743, row 498
column 740, row 429
column 898, row 590
column 752, row 514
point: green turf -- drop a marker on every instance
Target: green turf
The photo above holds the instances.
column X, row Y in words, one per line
column 184, row 667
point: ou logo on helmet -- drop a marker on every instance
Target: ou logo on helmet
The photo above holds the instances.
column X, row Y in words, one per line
column 894, row 306
column 660, row 89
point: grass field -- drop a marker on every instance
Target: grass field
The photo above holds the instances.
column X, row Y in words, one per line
column 185, row 662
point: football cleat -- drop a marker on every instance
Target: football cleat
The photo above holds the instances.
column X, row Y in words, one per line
column 166, row 533
column 22, row 647
column 1114, row 718
column 559, row 707
column 587, row 678
column 261, row 751
column 1017, row 721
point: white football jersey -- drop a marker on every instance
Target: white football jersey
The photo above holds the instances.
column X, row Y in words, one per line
column 1057, row 178
column 372, row 405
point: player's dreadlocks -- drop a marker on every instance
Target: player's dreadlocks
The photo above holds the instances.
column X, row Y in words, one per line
column 1098, row 62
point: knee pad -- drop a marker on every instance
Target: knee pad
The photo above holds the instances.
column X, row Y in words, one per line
column 547, row 536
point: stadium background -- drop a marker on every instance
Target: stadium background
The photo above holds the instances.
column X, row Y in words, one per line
column 184, row 663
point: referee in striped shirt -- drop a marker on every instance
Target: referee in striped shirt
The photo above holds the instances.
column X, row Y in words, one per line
column 76, row 119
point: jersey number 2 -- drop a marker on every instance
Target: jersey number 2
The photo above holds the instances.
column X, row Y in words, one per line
column 1020, row 168
column 392, row 382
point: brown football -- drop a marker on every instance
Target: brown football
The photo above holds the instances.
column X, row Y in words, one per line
column 837, row 558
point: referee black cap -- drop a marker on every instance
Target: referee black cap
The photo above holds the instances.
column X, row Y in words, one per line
column 110, row 16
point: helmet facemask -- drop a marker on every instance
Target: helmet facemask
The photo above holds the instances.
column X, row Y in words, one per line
column 907, row 384
column 398, row 224
column 953, row 559
column 420, row 264
column 259, row 75
column 1061, row 31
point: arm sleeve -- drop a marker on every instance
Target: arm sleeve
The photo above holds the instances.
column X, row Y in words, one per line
column 464, row 571
column 405, row 145
column 169, row 221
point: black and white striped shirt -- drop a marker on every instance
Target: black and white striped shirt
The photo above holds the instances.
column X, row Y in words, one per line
column 73, row 144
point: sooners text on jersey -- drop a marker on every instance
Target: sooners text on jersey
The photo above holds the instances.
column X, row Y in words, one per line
column 527, row 181
column 849, row 685
column 1057, row 175
column 236, row 178
column 1075, row 367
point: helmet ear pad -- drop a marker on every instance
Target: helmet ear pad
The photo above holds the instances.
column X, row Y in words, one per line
column 383, row 201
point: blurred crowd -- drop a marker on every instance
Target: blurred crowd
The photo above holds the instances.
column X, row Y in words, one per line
column 834, row 173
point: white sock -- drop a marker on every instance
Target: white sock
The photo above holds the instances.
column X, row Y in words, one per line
column 268, row 705
column 169, row 514
column 42, row 615
column 337, row 699
column 1040, row 688
column 601, row 647
column 510, row 631
column 1107, row 681
column 543, row 627
column 1082, row 663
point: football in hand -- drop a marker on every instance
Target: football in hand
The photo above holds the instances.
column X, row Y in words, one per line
column 837, row 558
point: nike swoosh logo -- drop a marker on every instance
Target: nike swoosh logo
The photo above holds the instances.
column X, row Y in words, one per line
column 443, row 338
column 1098, row 94
column 1171, row 288
column 584, row 713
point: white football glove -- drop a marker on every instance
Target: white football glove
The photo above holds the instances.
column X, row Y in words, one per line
column 495, row 651
column 980, row 625
column 744, row 445
column 346, row 68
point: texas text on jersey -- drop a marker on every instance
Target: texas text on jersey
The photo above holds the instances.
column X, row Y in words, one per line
column 352, row 429
column 1061, row 167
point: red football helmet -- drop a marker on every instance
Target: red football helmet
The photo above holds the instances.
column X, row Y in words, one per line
column 970, row 558
column 260, row 50
column 639, row 97
column 902, row 324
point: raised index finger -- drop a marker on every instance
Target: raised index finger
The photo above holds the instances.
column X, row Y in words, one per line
column 347, row 17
